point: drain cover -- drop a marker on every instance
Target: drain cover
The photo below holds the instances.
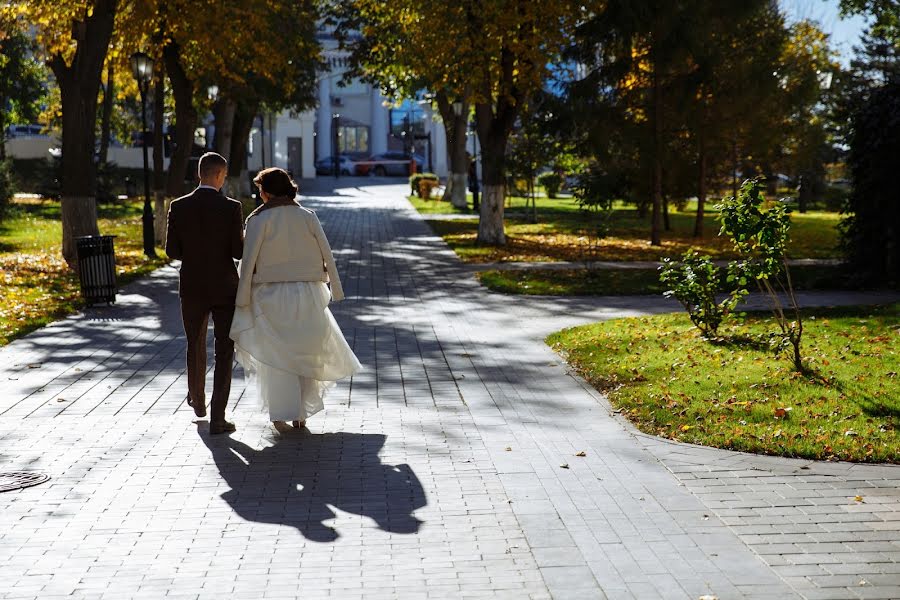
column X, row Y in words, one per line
column 20, row 479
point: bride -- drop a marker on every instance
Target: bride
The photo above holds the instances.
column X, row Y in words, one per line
column 282, row 328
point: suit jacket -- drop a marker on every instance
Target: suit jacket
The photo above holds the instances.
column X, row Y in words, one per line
column 205, row 232
column 286, row 243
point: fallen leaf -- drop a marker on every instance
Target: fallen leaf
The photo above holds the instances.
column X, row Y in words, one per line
column 60, row 399
column 564, row 466
column 582, row 453
column 686, row 427
column 708, row 597
column 508, row 449
column 858, row 498
column 850, row 433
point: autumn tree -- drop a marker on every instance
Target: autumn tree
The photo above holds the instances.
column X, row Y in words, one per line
column 74, row 36
column 492, row 54
column 402, row 47
column 21, row 78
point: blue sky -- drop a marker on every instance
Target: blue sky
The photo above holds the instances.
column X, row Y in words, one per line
column 844, row 32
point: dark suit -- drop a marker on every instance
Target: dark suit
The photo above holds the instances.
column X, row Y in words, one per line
column 205, row 232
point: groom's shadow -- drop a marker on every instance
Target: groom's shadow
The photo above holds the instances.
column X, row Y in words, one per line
column 293, row 481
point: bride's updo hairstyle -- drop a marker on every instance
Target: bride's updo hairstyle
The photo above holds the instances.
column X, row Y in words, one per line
column 276, row 183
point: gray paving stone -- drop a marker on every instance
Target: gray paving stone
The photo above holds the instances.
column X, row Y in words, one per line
column 402, row 487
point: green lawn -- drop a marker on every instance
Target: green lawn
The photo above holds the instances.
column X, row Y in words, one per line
column 37, row 286
column 562, row 233
column 623, row 282
column 670, row 382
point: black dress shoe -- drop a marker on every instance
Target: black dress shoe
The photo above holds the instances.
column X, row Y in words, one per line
column 199, row 408
column 217, row 427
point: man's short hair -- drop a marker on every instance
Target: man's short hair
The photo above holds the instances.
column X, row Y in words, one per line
column 210, row 164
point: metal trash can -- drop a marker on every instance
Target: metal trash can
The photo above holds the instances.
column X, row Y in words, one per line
column 97, row 268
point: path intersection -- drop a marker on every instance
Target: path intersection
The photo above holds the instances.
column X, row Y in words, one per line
column 435, row 473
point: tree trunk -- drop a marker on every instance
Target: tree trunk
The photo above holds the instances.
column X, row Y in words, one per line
column 159, row 173
column 185, row 120
column 224, row 113
column 455, row 128
column 656, row 223
column 79, row 85
column 805, row 195
column 2, row 129
column 108, row 94
column 701, row 193
column 493, row 170
column 242, row 124
column 667, row 224
column 734, row 169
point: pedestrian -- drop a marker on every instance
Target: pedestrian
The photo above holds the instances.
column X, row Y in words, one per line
column 204, row 232
column 283, row 330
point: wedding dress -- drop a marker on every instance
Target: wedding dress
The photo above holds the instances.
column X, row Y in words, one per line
column 285, row 336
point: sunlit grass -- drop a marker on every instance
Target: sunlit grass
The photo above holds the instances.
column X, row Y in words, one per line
column 670, row 382
column 37, row 286
column 564, row 233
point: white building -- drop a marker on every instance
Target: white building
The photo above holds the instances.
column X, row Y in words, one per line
column 353, row 118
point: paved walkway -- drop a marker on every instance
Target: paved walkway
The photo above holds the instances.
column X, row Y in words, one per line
column 434, row 474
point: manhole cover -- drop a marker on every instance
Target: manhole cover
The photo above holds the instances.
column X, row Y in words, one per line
column 20, row 479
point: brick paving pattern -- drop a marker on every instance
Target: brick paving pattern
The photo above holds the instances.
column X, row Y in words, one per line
column 435, row 473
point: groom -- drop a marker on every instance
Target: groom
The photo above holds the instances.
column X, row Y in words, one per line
column 205, row 231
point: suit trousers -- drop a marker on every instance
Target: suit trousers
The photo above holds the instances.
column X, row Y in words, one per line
column 195, row 316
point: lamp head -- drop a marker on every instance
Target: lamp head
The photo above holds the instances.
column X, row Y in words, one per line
column 141, row 67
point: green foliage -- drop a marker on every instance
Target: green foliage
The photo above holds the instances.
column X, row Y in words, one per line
column 695, row 281
column 760, row 234
column 885, row 13
column 760, row 237
column 551, row 182
column 22, row 77
column 414, row 180
column 871, row 229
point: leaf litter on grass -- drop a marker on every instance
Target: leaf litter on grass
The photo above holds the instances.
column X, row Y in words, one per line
column 734, row 394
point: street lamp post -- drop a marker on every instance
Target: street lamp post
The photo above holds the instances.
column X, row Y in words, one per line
column 336, row 133
column 473, row 170
column 142, row 69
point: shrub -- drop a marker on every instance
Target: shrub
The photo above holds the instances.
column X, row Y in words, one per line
column 551, row 182
column 107, row 179
column 414, row 180
column 761, row 237
column 594, row 191
column 426, row 187
column 694, row 282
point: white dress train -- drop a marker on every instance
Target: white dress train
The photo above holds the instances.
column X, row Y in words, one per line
column 287, row 339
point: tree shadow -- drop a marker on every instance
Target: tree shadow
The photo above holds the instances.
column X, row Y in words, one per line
column 301, row 476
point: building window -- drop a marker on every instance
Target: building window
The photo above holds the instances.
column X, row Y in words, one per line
column 353, row 139
column 408, row 118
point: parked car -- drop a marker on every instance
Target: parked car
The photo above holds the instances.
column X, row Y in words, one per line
column 394, row 163
column 14, row 131
column 346, row 165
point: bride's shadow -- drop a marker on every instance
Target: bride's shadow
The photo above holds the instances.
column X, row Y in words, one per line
column 293, row 482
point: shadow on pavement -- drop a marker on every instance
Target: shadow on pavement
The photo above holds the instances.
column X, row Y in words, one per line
column 294, row 481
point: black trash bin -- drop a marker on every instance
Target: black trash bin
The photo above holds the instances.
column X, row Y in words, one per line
column 97, row 268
